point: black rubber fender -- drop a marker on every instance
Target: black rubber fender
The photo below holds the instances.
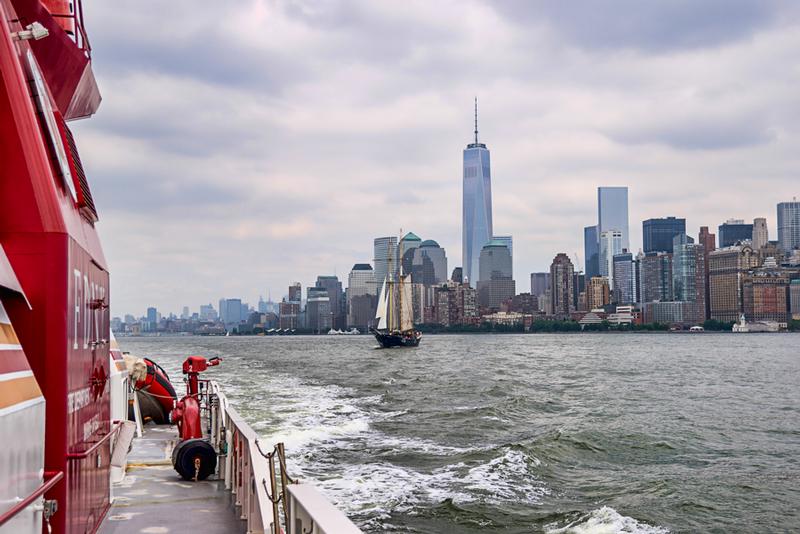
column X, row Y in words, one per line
column 185, row 453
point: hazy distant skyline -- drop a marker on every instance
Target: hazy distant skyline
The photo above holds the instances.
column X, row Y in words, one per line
column 247, row 145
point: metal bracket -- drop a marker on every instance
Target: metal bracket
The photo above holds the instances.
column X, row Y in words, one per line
column 49, row 508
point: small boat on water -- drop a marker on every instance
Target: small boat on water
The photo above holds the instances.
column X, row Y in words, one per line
column 395, row 315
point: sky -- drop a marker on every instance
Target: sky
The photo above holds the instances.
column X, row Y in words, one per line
column 244, row 145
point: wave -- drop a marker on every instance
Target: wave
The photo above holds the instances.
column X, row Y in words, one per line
column 605, row 520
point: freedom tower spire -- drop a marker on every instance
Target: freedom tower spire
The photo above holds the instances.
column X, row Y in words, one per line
column 476, row 222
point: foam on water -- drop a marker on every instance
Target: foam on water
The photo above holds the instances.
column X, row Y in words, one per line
column 606, row 520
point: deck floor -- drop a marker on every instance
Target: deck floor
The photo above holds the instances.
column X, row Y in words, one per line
column 154, row 499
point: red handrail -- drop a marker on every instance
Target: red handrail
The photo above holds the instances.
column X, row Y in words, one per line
column 54, row 477
column 90, row 450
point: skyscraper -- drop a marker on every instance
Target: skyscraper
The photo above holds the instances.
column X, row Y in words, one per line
column 689, row 277
column 610, row 246
column 709, row 242
column 496, row 280
column 361, row 298
column 539, row 283
column 734, row 231
column 336, row 298
column 408, row 244
column 591, row 251
column 657, row 234
column 561, row 288
column 385, row 260
column 612, row 212
column 624, row 288
column 429, row 265
column 476, row 205
column 789, row 226
column 760, row 233
column 508, row 241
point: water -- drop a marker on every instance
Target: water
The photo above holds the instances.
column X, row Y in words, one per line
column 528, row 433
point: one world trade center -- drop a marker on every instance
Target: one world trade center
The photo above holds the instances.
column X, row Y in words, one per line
column 476, row 220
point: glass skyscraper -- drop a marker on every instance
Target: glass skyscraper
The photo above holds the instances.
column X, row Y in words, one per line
column 591, row 251
column 476, row 220
column 789, row 226
column 657, row 234
column 612, row 212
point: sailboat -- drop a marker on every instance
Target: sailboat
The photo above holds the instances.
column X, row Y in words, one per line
column 395, row 315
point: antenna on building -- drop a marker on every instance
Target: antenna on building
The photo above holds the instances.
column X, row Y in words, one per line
column 476, row 120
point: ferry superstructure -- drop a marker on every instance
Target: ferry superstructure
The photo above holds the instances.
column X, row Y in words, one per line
column 64, row 389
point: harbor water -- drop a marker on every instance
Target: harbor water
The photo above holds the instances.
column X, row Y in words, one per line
column 587, row 433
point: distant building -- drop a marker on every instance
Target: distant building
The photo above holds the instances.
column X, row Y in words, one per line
column 561, row 288
column 338, row 306
column 361, row 298
column 408, row 244
column 429, row 264
column 664, row 312
column 591, row 251
column 476, row 221
column 764, row 296
column 655, row 277
column 385, row 260
column 794, row 299
column 524, row 303
column 289, row 315
column 455, row 304
column 789, row 226
column 726, row 268
column 624, row 279
column 689, row 277
column 539, row 283
column 295, row 292
column 496, row 282
column 612, row 213
column 458, row 275
column 319, row 318
column 610, row 246
column 231, row 312
column 578, row 289
column 734, row 231
column 760, row 233
column 657, row 234
column 507, row 240
column 597, row 293
column 708, row 240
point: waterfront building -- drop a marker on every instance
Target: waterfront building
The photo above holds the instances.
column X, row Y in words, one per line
column 789, row 226
column 612, row 213
column 338, row 306
column 288, row 314
column 385, row 260
column 408, row 244
column 561, row 286
column 764, row 296
column 794, row 299
column 726, row 267
column 319, row 318
column 610, row 246
column 591, row 251
column 597, row 293
column 689, row 277
column 429, row 264
column 624, row 279
column 496, row 281
column 655, row 277
column 476, row 205
column 455, row 304
column 665, row 312
column 733, row 232
column 760, row 233
column 539, row 283
column 709, row 242
column 657, row 234
column 361, row 298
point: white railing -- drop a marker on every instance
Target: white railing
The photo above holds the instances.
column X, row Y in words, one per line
column 252, row 478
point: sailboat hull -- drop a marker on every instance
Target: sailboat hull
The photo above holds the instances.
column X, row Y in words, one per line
column 395, row 339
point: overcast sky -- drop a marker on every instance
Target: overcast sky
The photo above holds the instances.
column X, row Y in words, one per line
column 244, row 145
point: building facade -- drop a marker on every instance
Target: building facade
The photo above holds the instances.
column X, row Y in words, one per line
column 612, row 212
column 610, row 245
column 655, row 277
column 624, row 279
column 361, row 298
column 760, row 233
column 591, row 251
column 385, row 260
column 319, row 318
column 726, row 268
column 429, row 265
column 689, row 278
column 598, row 294
column 789, row 226
column 657, row 234
column 733, row 232
column 765, row 296
column 338, row 305
column 561, row 286
column 476, row 213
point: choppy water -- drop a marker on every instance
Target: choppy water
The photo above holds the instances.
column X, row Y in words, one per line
column 528, row 433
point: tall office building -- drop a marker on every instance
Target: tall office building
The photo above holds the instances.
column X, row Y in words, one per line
column 361, row 298
column 295, row 292
column 624, row 289
column 709, row 242
column 760, row 233
column 561, row 286
column 655, row 277
column 610, row 246
column 612, row 212
column 689, row 278
column 476, row 205
column 318, row 310
column 385, row 260
column 496, row 277
column 231, row 312
column 539, row 283
column 726, row 268
column 405, row 252
column 657, row 234
column 508, row 241
column 429, row 264
column 789, row 226
column 597, row 293
column 734, row 231
column 591, row 251
column 336, row 298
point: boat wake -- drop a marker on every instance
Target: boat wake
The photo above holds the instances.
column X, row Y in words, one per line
column 605, row 520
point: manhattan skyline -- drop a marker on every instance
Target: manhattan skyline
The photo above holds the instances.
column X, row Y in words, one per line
column 206, row 188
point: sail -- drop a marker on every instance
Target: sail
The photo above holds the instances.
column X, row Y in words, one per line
column 380, row 312
column 406, row 305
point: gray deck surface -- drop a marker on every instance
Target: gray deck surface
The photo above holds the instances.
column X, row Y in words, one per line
column 154, row 499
